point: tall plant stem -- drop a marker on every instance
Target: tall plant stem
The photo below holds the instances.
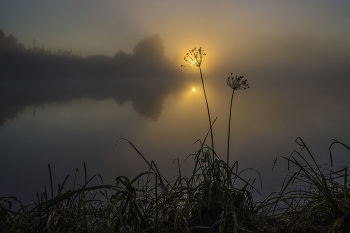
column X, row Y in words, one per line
column 210, row 125
column 228, row 137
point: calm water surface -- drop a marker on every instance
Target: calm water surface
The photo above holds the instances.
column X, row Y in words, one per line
column 43, row 126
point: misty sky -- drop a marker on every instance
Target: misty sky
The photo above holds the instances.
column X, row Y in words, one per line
column 227, row 29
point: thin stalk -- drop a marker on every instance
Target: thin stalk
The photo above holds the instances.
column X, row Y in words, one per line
column 206, row 101
column 228, row 137
column 51, row 181
column 156, row 220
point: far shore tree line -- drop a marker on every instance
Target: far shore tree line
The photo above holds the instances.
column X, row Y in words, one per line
column 147, row 61
column 11, row 43
column 145, row 77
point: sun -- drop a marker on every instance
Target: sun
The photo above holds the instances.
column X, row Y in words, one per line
column 194, row 89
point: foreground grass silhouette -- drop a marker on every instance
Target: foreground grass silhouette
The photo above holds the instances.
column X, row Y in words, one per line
column 213, row 198
column 201, row 202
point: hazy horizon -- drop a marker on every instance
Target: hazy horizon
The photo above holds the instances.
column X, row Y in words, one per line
column 224, row 26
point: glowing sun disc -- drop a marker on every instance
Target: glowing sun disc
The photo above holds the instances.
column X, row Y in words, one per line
column 194, row 89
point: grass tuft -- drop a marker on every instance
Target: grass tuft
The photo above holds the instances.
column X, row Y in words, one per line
column 202, row 202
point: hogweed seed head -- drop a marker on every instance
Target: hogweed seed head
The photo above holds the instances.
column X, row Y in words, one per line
column 195, row 57
column 236, row 83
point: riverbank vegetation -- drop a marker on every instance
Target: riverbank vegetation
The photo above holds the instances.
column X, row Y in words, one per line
column 205, row 201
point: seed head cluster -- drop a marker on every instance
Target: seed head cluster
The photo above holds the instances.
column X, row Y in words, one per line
column 236, row 83
column 195, row 57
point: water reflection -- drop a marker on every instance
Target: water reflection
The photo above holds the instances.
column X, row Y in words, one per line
column 146, row 99
column 145, row 77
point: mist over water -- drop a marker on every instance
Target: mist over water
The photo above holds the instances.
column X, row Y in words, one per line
column 65, row 111
column 145, row 77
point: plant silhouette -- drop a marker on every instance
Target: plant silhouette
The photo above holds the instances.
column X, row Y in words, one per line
column 196, row 57
column 236, row 83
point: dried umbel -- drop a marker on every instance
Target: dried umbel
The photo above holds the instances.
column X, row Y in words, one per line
column 195, row 57
column 236, row 83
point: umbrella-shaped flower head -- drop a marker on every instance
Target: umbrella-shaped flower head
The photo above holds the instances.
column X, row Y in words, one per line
column 195, row 57
column 236, row 83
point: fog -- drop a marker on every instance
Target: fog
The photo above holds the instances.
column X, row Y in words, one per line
column 145, row 77
column 113, row 69
column 292, row 94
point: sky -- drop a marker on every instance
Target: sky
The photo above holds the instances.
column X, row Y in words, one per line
column 294, row 54
column 222, row 27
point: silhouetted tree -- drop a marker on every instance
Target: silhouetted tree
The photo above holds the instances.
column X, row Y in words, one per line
column 9, row 42
column 121, row 55
column 2, row 35
column 150, row 50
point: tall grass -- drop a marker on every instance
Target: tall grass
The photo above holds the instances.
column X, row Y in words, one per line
column 201, row 202
column 148, row 203
column 312, row 198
